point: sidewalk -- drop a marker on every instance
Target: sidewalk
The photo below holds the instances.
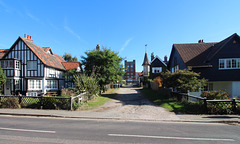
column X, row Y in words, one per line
column 94, row 115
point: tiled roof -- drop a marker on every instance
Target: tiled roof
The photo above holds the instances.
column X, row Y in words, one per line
column 194, row 53
column 2, row 52
column 146, row 61
column 51, row 60
column 46, row 48
column 71, row 65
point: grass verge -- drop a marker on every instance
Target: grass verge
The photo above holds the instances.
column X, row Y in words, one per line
column 98, row 101
column 162, row 100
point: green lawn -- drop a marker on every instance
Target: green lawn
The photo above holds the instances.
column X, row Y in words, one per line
column 98, row 101
column 169, row 103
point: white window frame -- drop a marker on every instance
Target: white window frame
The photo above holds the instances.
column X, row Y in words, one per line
column 156, row 69
column 52, row 84
column 34, row 84
column 32, row 65
column 17, row 84
column 230, row 62
column 17, row 64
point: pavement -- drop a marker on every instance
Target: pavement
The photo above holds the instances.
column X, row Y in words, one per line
column 128, row 105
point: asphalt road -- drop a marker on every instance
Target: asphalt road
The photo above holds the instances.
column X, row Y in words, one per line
column 25, row 130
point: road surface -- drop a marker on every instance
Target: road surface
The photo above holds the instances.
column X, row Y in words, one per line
column 25, row 130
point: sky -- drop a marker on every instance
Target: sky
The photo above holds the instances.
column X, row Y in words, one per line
column 124, row 26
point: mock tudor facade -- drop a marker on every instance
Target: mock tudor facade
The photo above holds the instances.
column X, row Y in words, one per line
column 32, row 70
column 219, row 62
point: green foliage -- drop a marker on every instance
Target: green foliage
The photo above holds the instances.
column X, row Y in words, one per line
column 211, row 95
column 87, row 84
column 183, row 80
column 67, row 92
column 68, row 58
column 10, row 102
column 106, row 64
column 3, row 78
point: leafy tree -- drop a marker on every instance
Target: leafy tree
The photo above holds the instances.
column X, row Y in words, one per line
column 87, row 84
column 3, row 78
column 183, row 80
column 106, row 64
column 68, row 58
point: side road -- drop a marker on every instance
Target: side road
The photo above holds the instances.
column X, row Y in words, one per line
column 128, row 104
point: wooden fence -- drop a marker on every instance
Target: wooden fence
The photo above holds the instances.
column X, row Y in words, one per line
column 228, row 104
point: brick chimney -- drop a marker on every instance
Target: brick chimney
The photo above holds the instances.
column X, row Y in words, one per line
column 200, row 41
column 98, row 47
column 165, row 60
column 28, row 37
column 152, row 56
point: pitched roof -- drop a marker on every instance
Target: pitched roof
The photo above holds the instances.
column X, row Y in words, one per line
column 146, row 61
column 156, row 57
column 3, row 52
column 193, row 53
column 51, row 60
column 71, row 65
column 217, row 47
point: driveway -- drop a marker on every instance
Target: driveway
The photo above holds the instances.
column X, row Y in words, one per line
column 130, row 104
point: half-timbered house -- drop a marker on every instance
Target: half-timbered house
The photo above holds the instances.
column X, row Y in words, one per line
column 30, row 69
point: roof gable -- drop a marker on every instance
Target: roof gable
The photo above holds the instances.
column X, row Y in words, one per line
column 217, row 47
column 3, row 52
column 51, row 60
column 157, row 58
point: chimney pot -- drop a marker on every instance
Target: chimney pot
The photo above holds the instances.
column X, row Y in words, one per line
column 165, row 59
column 25, row 36
column 30, row 37
column 152, row 56
column 98, row 47
column 199, row 41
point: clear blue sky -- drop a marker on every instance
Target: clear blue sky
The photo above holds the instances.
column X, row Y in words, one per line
column 125, row 26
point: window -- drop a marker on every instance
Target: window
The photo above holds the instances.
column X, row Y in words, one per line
column 52, row 84
column 32, row 65
column 208, row 87
column 17, row 64
column 34, row 84
column 156, row 69
column 221, row 63
column 175, row 68
column 233, row 63
column 17, row 84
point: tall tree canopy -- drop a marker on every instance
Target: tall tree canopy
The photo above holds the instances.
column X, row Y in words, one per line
column 106, row 65
column 68, row 58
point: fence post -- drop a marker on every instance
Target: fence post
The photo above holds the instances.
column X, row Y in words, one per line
column 205, row 105
column 71, row 102
column 19, row 99
column 234, row 105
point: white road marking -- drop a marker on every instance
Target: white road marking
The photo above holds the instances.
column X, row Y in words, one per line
column 166, row 137
column 27, row 130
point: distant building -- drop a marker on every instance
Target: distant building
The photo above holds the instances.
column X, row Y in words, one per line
column 146, row 66
column 130, row 71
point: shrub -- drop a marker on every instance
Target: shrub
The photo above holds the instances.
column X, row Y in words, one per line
column 87, row 84
column 10, row 102
column 67, row 92
column 211, row 95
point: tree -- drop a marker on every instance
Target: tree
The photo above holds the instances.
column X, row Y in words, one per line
column 3, row 78
column 105, row 64
column 183, row 80
column 68, row 58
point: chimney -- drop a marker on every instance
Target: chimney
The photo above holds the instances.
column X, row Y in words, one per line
column 165, row 60
column 25, row 35
column 202, row 40
column 152, row 56
column 199, row 41
column 30, row 37
column 98, row 47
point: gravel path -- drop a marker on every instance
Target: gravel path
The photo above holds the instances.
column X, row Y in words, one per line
column 130, row 104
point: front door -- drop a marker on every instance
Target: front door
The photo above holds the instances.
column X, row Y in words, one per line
column 7, row 88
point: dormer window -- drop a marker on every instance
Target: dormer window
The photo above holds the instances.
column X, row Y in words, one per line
column 156, row 69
